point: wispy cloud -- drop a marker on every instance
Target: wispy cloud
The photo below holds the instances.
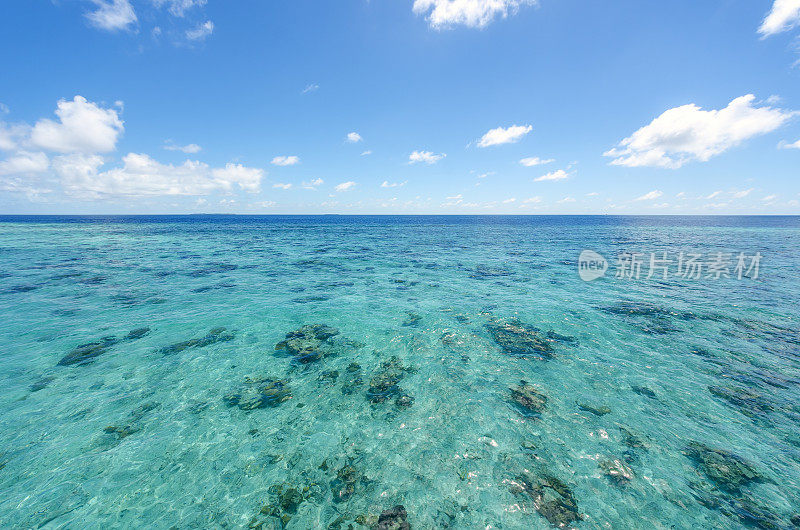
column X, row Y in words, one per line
column 345, row 186
column 112, row 15
column 552, row 176
column 427, row 157
column 282, row 186
column 536, row 161
column 201, row 32
column 285, row 160
column 786, row 145
column 387, row 184
column 649, row 196
column 501, row 136
column 310, row 88
column 189, row 149
column 366, row 153
column 313, row 184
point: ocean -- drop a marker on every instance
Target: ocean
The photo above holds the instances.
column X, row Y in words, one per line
column 324, row 371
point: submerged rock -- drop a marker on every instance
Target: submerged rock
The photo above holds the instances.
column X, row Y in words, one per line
column 749, row 403
column 555, row 337
column 306, row 344
column 352, row 378
column 517, row 338
column 41, row 383
column 631, row 440
column 393, row 519
column 597, row 411
column 214, row 336
column 643, row 391
column 86, row 353
column 412, row 319
column 137, row 333
column 383, row 384
column 615, row 469
column 552, row 499
column 528, row 400
column 344, row 485
column 259, row 392
column 726, row 470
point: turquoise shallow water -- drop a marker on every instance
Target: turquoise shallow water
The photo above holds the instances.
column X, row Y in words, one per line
column 667, row 403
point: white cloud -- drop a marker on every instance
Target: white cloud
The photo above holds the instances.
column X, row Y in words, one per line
column 4, row 108
column 424, row 156
column 282, row 186
column 179, row 7
column 785, row 145
column 688, row 133
column 366, row 153
column 784, row 15
column 535, row 161
column 714, row 194
column 285, row 160
column 769, row 198
column 142, row 176
column 112, row 15
column 24, row 163
column 266, row 204
column 310, row 88
column 649, row 196
column 553, row 175
column 201, row 32
column 565, row 200
column 471, row 13
column 354, row 137
column 742, row 193
column 12, row 135
column 510, row 200
column 83, row 127
column 313, row 184
column 387, row 184
column 501, row 136
column 532, row 200
column 188, row 149
column 344, row 186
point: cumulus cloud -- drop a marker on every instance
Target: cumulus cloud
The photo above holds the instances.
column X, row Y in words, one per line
column 344, row 186
column 535, row 161
column 688, row 133
column 201, row 32
column 553, row 175
column 24, row 163
column 501, row 136
column 112, row 15
column 354, row 137
column 188, row 149
column 470, row 13
column 782, row 145
column 282, row 186
column 427, row 157
column 649, row 196
column 141, row 176
column 82, row 127
column 285, row 160
column 12, row 135
column 784, row 15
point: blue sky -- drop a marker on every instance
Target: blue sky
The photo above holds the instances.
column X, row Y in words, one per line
column 403, row 106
